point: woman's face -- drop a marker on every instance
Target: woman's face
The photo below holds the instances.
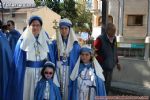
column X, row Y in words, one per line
column 36, row 27
column 85, row 57
column 64, row 31
column 48, row 73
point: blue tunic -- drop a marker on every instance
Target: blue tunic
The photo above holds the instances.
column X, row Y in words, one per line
column 73, row 56
column 100, row 87
column 13, row 37
column 54, row 92
column 5, row 66
column 19, row 71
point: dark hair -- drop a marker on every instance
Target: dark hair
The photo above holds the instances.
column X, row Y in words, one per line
column 11, row 21
column 48, row 66
column 4, row 28
column 33, row 18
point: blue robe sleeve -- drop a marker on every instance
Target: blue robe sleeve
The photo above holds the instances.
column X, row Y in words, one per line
column 74, row 54
column 18, row 72
column 51, row 55
column 100, row 87
column 55, row 51
column 5, row 66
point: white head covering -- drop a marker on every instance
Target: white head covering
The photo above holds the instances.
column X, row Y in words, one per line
column 98, row 68
column 71, row 39
column 28, row 40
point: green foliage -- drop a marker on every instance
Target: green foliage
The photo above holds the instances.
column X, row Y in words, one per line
column 84, row 19
column 52, row 4
column 77, row 13
column 37, row 2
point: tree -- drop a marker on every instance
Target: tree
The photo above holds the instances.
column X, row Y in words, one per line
column 77, row 13
column 69, row 9
column 83, row 21
column 52, row 4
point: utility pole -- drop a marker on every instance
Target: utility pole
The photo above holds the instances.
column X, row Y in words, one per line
column 104, row 15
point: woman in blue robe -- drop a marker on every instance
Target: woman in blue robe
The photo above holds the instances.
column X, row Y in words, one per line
column 46, row 89
column 66, row 51
column 87, row 77
column 5, row 66
column 31, row 51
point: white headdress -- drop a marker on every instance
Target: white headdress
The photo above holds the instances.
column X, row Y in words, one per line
column 71, row 39
column 98, row 68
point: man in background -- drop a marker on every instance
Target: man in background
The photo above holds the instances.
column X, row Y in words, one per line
column 106, row 51
column 13, row 34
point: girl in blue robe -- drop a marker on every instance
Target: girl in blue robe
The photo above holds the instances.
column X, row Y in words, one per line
column 46, row 89
column 87, row 76
column 66, row 51
column 31, row 51
column 5, row 66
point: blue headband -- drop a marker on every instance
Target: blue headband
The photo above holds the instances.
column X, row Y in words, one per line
column 85, row 49
column 33, row 18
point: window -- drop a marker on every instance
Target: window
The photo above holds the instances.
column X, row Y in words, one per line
column 135, row 20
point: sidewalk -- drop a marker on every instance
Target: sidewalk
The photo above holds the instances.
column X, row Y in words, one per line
column 134, row 77
column 129, row 88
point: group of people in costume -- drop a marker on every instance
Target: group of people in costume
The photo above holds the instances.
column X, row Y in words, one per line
column 43, row 69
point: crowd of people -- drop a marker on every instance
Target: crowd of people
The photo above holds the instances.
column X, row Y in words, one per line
column 34, row 67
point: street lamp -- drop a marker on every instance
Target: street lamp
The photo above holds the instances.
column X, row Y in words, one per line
column 2, row 11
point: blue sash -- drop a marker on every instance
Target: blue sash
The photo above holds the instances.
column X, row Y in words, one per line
column 35, row 64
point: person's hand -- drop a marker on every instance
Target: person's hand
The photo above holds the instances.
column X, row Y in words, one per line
column 119, row 67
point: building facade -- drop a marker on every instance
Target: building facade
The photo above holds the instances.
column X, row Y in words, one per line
column 21, row 10
column 132, row 20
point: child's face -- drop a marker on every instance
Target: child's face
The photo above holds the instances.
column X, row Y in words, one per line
column 48, row 73
column 85, row 57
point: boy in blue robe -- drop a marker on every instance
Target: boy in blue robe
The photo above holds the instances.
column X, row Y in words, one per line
column 46, row 89
column 13, row 35
column 87, row 76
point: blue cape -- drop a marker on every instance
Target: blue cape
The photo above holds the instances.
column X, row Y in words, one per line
column 39, row 91
column 5, row 66
column 100, row 87
column 73, row 57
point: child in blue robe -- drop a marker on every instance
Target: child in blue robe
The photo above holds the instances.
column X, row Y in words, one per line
column 87, row 76
column 46, row 89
